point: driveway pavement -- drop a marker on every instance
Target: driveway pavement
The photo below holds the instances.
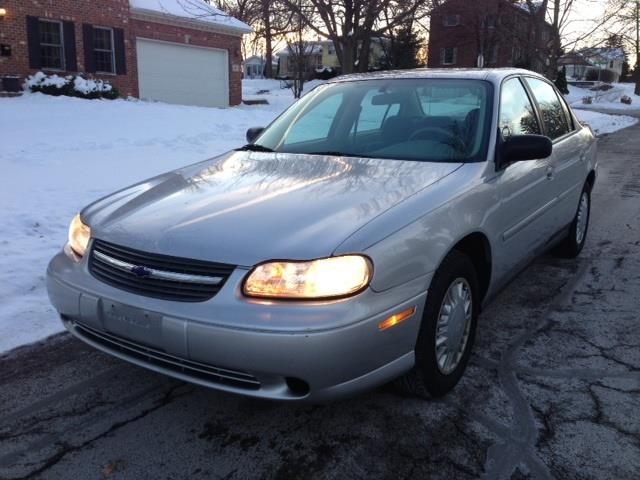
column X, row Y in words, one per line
column 553, row 390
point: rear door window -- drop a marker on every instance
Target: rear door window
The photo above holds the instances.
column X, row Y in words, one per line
column 517, row 115
column 555, row 119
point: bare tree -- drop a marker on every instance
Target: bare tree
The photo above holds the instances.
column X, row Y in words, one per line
column 270, row 20
column 274, row 24
column 299, row 53
column 561, row 18
column 351, row 24
column 627, row 26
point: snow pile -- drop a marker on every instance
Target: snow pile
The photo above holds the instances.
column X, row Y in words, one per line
column 192, row 9
column 608, row 100
column 70, row 86
column 603, row 124
column 89, row 86
column 39, row 79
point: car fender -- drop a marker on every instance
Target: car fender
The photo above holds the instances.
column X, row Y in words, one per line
column 412, row 239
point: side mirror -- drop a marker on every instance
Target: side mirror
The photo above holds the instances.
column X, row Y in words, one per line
column 519, row 148
column 253, row 133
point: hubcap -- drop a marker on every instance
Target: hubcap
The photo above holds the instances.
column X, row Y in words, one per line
column 582, row 219
column 454, row 324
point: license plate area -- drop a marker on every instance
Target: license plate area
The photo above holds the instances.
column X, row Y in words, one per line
column 131, row 322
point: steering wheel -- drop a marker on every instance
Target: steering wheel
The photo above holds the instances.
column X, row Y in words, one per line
column 442, row 135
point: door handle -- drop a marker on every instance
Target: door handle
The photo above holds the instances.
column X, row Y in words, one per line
column 550, row 173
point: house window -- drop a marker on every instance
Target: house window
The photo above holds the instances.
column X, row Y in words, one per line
column 449, row 55
column 103, row 50
column 494, row 54
column 451, row 20
column 489, row 22
column 516, row 54
column 51, row 45
column 611, row 64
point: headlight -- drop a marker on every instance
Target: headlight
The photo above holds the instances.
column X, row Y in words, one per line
column 317, row 279
column 79, row 235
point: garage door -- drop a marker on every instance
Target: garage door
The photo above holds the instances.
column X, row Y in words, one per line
column 182, row 74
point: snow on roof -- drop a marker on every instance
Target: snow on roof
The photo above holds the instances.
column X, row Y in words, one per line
column 310, row 48
column 525, row 6
column 573, row 58
column 196, row 10
column 603, row 52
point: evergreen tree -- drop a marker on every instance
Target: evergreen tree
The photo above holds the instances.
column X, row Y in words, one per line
column 561, row 81
column 402, row 49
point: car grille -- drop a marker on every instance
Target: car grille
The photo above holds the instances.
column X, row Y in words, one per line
column 158, row 276
column 153, row 356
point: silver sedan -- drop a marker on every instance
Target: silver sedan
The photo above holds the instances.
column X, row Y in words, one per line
column 350, row 243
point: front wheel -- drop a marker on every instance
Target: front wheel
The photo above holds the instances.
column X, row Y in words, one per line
column 447, row 331
column 573, row 243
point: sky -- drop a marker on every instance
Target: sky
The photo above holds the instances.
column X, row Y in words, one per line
column 583, row 15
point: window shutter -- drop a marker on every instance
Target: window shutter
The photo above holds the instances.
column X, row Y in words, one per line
column 87, row 40
column 69, row 35
column 121, row 61
column 442, row 56
column 33, row 38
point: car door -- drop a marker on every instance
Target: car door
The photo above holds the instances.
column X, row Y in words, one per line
column 522, row 215
column 567, row 160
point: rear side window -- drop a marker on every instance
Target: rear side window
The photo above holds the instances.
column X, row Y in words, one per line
column 517, row 116
column 553, row 114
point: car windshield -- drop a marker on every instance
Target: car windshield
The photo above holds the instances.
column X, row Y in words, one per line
column 441, row 120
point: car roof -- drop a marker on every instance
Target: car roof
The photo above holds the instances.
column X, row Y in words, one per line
column 494, row 75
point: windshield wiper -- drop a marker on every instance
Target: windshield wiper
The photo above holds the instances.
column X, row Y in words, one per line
column 254, row 147
column 337, row 154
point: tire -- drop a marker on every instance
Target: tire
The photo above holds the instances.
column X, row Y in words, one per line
column 573, row 243
column 429, row 378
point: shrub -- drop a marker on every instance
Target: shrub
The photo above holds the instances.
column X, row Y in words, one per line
column 326, row 73
column 561, row 81
column 71, row 86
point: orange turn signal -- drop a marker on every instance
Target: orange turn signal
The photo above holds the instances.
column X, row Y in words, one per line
column 395, row 319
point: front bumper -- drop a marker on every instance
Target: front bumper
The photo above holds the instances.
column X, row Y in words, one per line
column 291, row 351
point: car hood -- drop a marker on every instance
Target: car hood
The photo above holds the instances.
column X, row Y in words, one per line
column 246, row 207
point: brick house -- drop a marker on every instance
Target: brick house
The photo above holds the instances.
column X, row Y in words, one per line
column 151, row 49
column 489, row 33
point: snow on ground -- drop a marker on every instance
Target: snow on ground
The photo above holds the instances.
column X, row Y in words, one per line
column 609, row 100
column 58, row 154
column 602, row 124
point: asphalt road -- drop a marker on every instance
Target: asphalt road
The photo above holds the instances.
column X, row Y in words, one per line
column 553, row 390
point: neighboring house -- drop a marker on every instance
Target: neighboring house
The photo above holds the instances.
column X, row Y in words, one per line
column 605, row 59
column 253, row 67
column 323, row 55
column 329, row 55
column 487, row 33
column 153, row 49
column 287, row 58
column 575, row 64
column 581, row 62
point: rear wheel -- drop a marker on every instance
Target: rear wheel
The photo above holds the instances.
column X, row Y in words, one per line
column 573, row 243
column 447, row 331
